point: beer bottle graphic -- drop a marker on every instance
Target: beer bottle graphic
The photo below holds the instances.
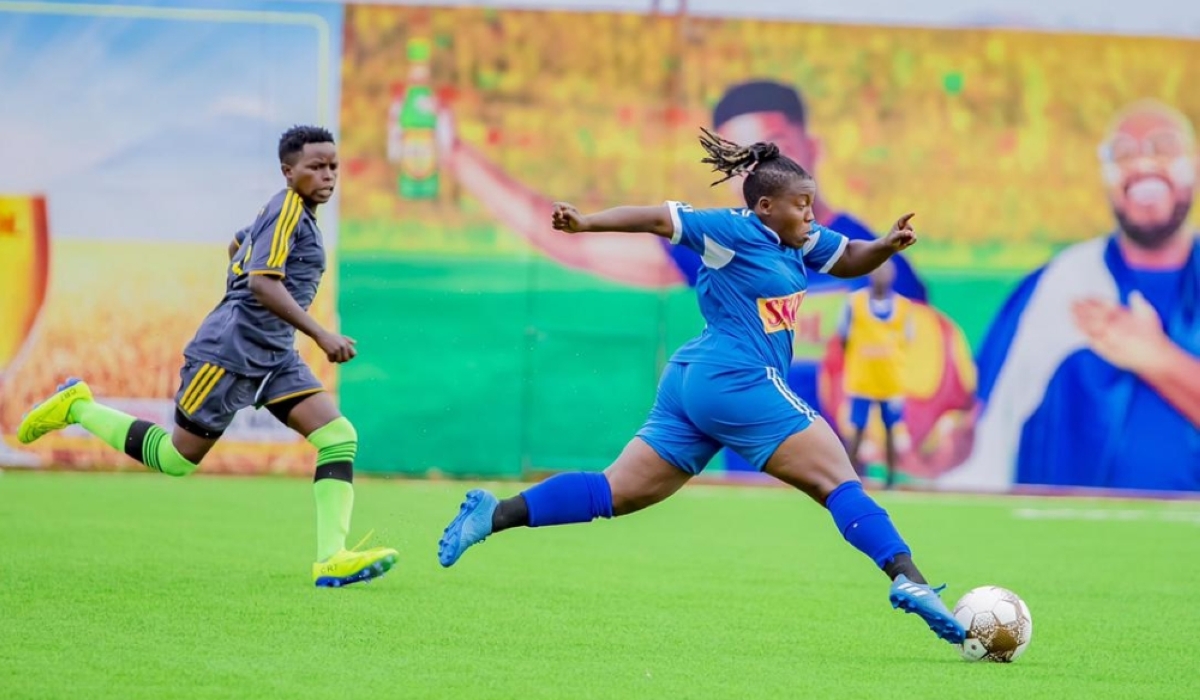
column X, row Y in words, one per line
column 413, row 122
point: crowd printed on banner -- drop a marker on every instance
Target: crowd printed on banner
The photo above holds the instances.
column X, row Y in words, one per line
column 1190, row 517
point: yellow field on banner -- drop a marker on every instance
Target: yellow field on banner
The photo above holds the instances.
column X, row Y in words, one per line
column 24, row 262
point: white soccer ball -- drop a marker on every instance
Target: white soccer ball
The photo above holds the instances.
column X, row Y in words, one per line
column 999, row 626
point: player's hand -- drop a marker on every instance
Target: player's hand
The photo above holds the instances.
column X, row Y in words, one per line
column 901, row 236
column 567, row 218
column 1131, row 338
column 337, row 347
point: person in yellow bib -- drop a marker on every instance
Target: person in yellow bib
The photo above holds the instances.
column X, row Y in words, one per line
column 876, row 330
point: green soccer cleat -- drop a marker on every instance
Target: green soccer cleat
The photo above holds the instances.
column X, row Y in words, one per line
column 351, row 566
column 54, row 413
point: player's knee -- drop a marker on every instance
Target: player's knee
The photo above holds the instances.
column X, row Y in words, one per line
column 172, row 463
column 630, row 495
column 813, row 460
column 176, row 455
column 339, row 431
column 180, row 468
column 634, row 486
column 348, row 431
column 624, row 504
column 337, row 446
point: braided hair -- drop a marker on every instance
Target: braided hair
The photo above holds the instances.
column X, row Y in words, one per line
column 767, row 171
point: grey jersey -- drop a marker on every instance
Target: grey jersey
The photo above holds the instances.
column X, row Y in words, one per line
column 240, row 334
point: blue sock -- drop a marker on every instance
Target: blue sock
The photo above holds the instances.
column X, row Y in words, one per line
column 577, row 497
column 865, row 524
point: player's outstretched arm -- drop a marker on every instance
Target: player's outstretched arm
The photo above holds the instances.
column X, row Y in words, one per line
column 270, row 292
column 656, row 220
column 862, row 257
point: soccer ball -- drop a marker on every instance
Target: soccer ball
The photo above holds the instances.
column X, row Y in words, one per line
column 998, row 624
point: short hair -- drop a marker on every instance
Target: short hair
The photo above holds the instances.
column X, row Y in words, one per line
column 767, row 171
column 758, row 96
column 294, row 140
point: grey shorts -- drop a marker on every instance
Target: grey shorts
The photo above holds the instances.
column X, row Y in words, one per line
column 209, row 395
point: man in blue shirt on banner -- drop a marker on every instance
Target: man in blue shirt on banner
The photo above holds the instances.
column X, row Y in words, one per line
column 1090, row 374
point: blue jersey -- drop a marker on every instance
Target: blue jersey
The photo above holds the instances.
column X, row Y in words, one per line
column 907, row 283
column 749, row 285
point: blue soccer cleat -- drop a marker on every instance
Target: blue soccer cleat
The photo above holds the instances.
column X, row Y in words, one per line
column 471, row 526
column 924, row 600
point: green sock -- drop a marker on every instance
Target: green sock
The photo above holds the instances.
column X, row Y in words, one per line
column 142, row 440
column 108, row 424
column 335, row 503
column 337, row 445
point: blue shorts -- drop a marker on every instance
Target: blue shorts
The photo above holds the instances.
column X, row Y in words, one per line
column 701, row 408
column 892, row 412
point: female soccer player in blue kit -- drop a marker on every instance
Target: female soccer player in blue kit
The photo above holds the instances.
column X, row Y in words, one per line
column 727, row 386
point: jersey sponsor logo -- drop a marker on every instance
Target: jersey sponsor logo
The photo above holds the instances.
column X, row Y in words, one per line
column 779, row 313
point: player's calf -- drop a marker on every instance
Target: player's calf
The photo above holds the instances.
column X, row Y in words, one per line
column 563, row 499
column 153, row 447
column 637, row 479
column 73, row 404
column 576, row 497
column 333, row 488
column 333, row 484
column 868, row 527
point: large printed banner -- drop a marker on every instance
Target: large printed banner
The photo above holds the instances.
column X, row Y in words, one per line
column 1042, row 348
column 1045, row 349
column 129, row 198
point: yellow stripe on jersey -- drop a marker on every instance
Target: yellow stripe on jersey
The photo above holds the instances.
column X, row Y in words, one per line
column 205, row 389
column 237, row 264
column 193, row 385
column 285, row 226
column 293, row 395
